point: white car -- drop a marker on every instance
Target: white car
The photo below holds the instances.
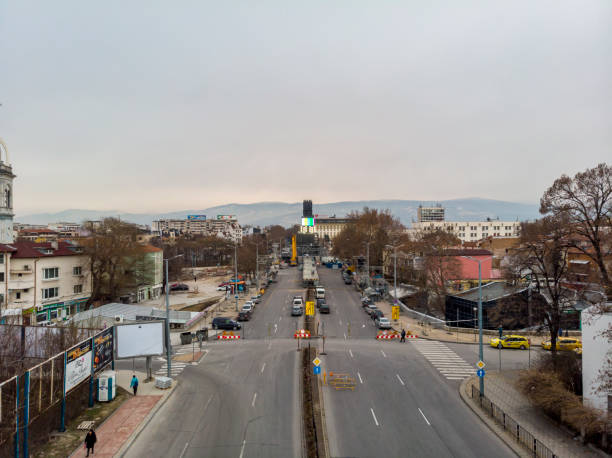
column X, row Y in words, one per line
column 251, row 303
column 383, row 322
column 247, row 307
column 221, row 288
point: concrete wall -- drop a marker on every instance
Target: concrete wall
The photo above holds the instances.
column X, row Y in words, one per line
column 594, row 350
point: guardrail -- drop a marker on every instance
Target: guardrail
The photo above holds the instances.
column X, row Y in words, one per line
column 509, row 424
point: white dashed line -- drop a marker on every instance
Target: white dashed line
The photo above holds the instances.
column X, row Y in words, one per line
column 424, row 417
column 374, row 416
column 242, row 449
column 350, row 353
column 360, row 379
column 263, row 367
column 400, row 379
column 184, row 448
column 254, row 397
column 383, row 353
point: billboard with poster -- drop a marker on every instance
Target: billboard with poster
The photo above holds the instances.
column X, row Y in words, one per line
column 196, row 217
column 226, row 217
column 78, row 365
column 140, row 339
column 103, row 349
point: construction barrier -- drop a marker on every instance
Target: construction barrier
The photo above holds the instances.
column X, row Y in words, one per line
column 226, row 336
column 387, row 335
column 302, row 334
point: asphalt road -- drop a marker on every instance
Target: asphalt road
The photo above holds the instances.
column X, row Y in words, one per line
column 402, row 405
column 243, row 399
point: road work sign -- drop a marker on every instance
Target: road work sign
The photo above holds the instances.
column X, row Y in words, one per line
column 310, row 308
column 395, row 312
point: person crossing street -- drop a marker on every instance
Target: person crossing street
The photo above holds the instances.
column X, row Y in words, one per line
column 403, row 335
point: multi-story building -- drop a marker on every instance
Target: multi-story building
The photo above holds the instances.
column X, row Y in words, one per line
column 147, row 275
column 427, row 214
column 45, row 280
column 66, row 230
column 323, row 227
column 224, row 226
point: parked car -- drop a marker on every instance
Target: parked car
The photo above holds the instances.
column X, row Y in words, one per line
column 297, row 309
column 511, row 341
column 348, row 280
column 247, row 307
column 297, row 300
column 225, row 323
column 256, row 299
column 382, row 322
column 244, row 316
column 371, row 308
column 320, row 302
column 179, row 287
column 222, row 288
column 365, row 300
column 564, row 344
column 376, row 314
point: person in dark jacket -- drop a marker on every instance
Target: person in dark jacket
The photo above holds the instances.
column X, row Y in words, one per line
column 403, row 339
column 90, row 441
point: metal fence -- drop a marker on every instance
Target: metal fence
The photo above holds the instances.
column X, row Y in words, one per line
column 509, row 424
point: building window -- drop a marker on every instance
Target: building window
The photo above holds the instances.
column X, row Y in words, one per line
column 77, row 270
column 485, row 228
column 472, row 228
column 50, row 272
column 473, row 235
column 48, row 293
column 485, row 234
column 508, row 228
column 1, row 276
column 1, row 258
column 18, row 295
column 78, row 289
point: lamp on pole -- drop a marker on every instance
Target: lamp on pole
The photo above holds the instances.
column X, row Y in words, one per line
column 236, row 274
column 480, row 350
column 168, row 345
column 394, row 273
column 368, row 261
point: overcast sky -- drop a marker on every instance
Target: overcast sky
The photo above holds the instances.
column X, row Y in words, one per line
column 146, row 106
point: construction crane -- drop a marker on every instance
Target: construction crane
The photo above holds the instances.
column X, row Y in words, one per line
column 293, row 261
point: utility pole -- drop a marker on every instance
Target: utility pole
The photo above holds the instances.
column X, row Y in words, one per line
column 257, row 265
column 236, row 273
column 168, row 343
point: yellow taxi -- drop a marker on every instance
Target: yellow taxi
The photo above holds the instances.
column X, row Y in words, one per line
column 564, row 344
column 511, row 341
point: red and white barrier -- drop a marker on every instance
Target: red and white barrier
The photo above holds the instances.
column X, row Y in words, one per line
column 227, row 337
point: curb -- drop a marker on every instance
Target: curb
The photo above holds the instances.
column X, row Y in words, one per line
column 490, row 423
column 126, row 446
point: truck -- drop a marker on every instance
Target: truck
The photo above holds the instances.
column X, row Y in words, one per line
column 310, row 277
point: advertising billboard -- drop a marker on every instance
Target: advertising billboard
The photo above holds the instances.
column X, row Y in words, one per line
column 78, row 364
column 140, row 339
column 103, row 349
column 308, row 222
column 226, row 217
column 196, row 217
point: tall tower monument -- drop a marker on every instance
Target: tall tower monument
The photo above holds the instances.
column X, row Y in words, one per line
column 6, row 196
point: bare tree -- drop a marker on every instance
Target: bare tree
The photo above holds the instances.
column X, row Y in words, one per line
column 585, row 201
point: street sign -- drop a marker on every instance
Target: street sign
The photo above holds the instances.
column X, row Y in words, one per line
column 310, row 308
column 480, row 373
column 395, row 312
column 316, row 361
column 480, row 364
column 236, row 296
column 316, row 370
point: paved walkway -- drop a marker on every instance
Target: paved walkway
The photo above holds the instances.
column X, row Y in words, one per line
column 500, row 389
column 124, row 422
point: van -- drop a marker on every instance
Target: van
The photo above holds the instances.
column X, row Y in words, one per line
column 320, row 293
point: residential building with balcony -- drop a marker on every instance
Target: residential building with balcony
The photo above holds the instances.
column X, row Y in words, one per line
column 46, row 281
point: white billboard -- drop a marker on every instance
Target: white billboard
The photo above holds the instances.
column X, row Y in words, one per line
column 78, row 364
column 140, row 339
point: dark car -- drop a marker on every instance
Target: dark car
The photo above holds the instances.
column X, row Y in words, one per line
column 376, row 314
column 244, row 316
column 348, row 280
column 179, row 287
column 225, row 323
column 321, row 302
column 324, row 308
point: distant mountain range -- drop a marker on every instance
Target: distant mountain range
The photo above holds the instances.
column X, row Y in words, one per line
column 287, row 214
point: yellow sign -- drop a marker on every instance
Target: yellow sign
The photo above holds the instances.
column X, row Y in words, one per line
column 480, row 364
column 395, row 312
column 310, row 308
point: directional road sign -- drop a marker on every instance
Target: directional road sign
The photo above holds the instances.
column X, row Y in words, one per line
column 316, row 370
column 480, row 364
column 316, row 361
column 480, row 373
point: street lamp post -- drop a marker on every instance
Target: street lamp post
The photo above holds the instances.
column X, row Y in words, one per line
column 394, row 273
column 168, row 344
column 236, row 274
column 480, row 349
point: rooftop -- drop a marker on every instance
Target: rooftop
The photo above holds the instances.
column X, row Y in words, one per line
column 490, row 292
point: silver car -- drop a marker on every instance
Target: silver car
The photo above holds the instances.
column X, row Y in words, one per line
column 383, row 322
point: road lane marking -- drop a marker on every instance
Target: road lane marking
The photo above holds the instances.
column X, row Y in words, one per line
column 344, row 336
column 374, row 416
column 383, row 353
column 242, row 449
column 424, row 417
column 184, row 448
column 254, row 397
column 263, row 367
column 359, row 375
column 350, row 353
column 400, row 379
column 340, row 322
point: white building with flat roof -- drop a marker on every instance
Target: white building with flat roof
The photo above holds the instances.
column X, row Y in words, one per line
column 469, row 231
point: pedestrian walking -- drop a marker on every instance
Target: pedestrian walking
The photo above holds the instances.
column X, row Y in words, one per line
column 90, row 441
column 134, row 384
column 403, row 339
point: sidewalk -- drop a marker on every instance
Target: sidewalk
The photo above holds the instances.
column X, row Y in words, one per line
column 500, row 389
column 127, row 420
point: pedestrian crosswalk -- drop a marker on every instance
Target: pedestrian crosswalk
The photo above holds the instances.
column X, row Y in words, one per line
column 177, row 366
column 446, row 361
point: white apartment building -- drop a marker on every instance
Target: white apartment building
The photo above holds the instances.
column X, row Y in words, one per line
column 221, row 227
column 469, row 231
column 324, row 226
column 46, row 281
